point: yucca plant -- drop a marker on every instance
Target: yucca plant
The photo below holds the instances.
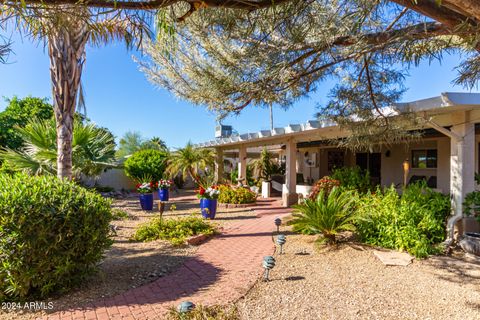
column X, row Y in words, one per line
column 326, row 215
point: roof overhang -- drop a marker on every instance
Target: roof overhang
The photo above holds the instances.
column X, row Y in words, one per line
column 447, row 102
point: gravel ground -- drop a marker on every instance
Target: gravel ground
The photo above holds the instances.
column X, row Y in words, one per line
column 348, row 282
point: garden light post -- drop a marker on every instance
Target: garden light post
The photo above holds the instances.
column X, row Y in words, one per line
column 406, row 170
column 185, row 307
column 278, row 223
column 281, row 239
column 268, row 264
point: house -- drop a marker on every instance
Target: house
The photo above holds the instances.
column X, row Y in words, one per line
column 446, row 156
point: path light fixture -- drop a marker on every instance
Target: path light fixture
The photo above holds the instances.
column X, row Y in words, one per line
column 185, row 307
column 278, row 223
column 281, row 239
column 268, row 264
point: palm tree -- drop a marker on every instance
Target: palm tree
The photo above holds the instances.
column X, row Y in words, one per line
column 265, row 166
column 189, row 161
column 158, row 143
column 68, row 26
column 130, row 143
column 93, row 149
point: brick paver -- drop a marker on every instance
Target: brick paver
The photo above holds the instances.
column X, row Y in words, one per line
column 222, row 271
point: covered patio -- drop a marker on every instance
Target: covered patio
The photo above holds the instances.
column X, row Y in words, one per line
column 446, row 156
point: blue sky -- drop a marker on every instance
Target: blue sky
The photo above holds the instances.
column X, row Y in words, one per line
column 119, row 97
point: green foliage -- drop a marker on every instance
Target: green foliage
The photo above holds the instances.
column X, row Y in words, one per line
column 250, row 178
column 174, row 230
column 133, row 141
column 151, row 163
column 229, row 194
column 327, row 214
column 205, row 313
column 326, row 184
column 52, row 234
column 265, row 166
column 119, row 214
column 17, row 114
column 352, row 178
column 93, row 148
column 189, row 161
column 471, row 205
column 414, row 221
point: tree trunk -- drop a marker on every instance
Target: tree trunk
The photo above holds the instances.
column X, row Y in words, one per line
column 66, row 48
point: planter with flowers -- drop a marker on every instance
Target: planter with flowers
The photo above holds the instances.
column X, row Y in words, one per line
column 163, row 186
column 208, row 201
column 145, row 191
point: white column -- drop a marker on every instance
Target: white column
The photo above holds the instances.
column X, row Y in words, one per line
column 462, row 161
column 289, row 194
column 242, row 163
column 218, row 165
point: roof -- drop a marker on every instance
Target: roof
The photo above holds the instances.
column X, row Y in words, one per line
column 446, row 102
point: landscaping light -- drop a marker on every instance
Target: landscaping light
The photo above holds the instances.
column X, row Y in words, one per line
column 406, row 169
column 281, row 239
column 278, row 223
column 185, row 307
column 268, row 264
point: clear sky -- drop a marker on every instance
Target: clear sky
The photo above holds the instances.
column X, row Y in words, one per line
column 119, row 97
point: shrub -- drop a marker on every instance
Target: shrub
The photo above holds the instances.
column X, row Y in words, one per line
column 119, row 214
column 146, row 163
column 52, row 233
column 326, row 215
column 352, row 178
column 471, row 205
column 174, row 230
column 326, row 184
column 234, row 195
column 414, row 222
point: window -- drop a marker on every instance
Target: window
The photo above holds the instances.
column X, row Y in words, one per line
column 336, row 159
column 423, row 159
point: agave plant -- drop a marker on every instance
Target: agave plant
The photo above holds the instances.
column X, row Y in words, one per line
column 326, row 215
column 93, row 149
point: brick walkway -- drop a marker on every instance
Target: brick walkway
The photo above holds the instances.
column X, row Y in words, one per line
column 222, row 271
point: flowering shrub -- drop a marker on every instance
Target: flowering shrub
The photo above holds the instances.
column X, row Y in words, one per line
column 164, row 184
column 229, row 194
column 326, row 184
column 146, row 187
column 210, row 193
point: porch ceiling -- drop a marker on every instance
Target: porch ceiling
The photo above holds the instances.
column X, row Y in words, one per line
column 315, row 130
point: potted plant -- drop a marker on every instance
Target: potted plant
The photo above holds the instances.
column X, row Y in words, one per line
column 163, row 186
column 208, row 201
column 145, row 195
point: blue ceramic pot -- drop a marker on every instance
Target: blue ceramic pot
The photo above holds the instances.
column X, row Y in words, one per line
column 146, row 201
column 163, row 194
column 208, row 207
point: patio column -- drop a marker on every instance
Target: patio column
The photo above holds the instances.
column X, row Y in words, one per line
column 289, row 194
column 218, row 165
column 242, row 164
column 462, row 160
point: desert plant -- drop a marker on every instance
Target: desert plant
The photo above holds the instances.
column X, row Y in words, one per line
column 234, row 195
column 265, row 166
column 327, row 214
column 52, row 234
column 413, row 221
column 174, row 230
column 326, row 184
column 93, row 149
column 352, row 178
column 143, row 163
column 189, row 161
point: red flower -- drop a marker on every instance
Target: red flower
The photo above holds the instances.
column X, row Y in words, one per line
column 201, row 191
